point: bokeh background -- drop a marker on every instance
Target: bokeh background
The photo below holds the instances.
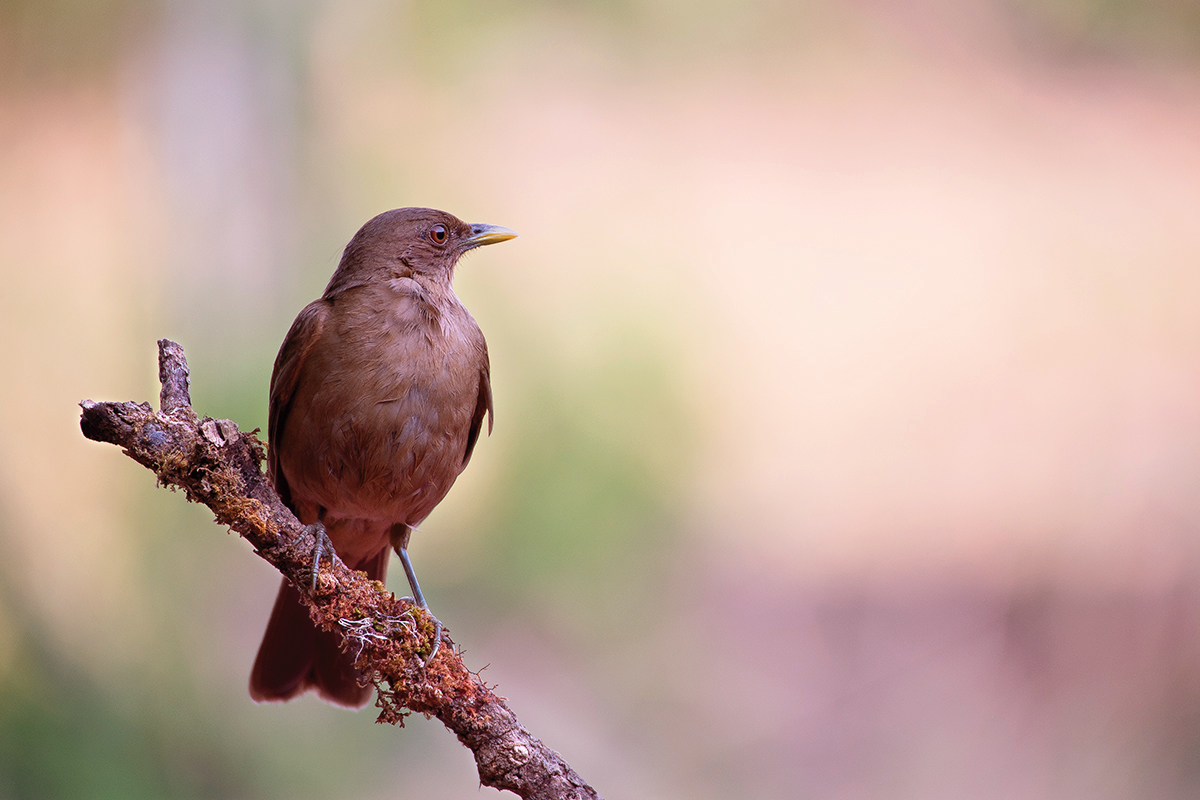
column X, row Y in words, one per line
column 847, row 379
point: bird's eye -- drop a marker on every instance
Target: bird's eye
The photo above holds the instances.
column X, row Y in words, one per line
column 438, row 234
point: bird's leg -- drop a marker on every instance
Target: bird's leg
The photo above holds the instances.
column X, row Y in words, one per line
column 399, row 537
column 323, row 544
column 420, row 601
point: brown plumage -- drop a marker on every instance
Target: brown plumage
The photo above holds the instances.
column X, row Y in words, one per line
column 377, row 400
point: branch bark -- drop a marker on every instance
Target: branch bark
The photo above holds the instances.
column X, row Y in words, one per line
column 220, row 466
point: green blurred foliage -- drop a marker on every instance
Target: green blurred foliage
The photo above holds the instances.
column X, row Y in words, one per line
column 59, row 39
column 1129, row 27
column 587, row 507
column 155, row 731
column 65, row 733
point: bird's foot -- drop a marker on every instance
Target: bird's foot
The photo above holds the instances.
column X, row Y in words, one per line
column 437, row 638
column 323, row 545
column 437, row 629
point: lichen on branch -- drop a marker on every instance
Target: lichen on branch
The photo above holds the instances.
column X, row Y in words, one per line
column 217, row 464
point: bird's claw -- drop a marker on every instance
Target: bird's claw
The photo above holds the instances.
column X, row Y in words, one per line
column 323, row 544
column 437, row 638
column 437, row 629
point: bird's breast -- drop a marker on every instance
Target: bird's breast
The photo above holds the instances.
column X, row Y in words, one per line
column 384, row 414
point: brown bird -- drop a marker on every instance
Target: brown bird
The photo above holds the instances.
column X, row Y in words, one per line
column 377, row 399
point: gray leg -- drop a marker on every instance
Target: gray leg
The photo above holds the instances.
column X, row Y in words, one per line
column 399, row 536
column 418, row 598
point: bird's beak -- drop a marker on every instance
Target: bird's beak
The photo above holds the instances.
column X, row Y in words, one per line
column 487, row 234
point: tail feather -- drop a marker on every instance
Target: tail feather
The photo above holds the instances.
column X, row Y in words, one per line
column 296, row 656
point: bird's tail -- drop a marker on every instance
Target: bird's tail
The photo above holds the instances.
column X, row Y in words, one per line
column 296, row 656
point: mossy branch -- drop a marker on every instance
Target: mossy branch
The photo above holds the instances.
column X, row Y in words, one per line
column 220, row 466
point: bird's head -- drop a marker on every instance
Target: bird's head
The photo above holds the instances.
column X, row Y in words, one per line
column 406, row 241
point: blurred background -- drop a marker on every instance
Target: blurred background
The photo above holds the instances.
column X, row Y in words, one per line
column 847, row 385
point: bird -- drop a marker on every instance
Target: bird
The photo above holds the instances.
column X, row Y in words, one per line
column 377, row 399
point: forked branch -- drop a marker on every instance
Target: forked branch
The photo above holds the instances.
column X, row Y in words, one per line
column 220, row 466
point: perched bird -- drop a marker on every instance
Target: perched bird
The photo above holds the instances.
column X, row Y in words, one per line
column 377, row 400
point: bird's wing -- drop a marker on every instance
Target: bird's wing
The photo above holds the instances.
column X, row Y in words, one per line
column 288, row 365
column 483, row 405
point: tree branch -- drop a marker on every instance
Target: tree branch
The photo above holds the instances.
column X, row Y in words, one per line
column 220, row 466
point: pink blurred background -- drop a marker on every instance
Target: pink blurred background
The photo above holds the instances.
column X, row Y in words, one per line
column 847, row 375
